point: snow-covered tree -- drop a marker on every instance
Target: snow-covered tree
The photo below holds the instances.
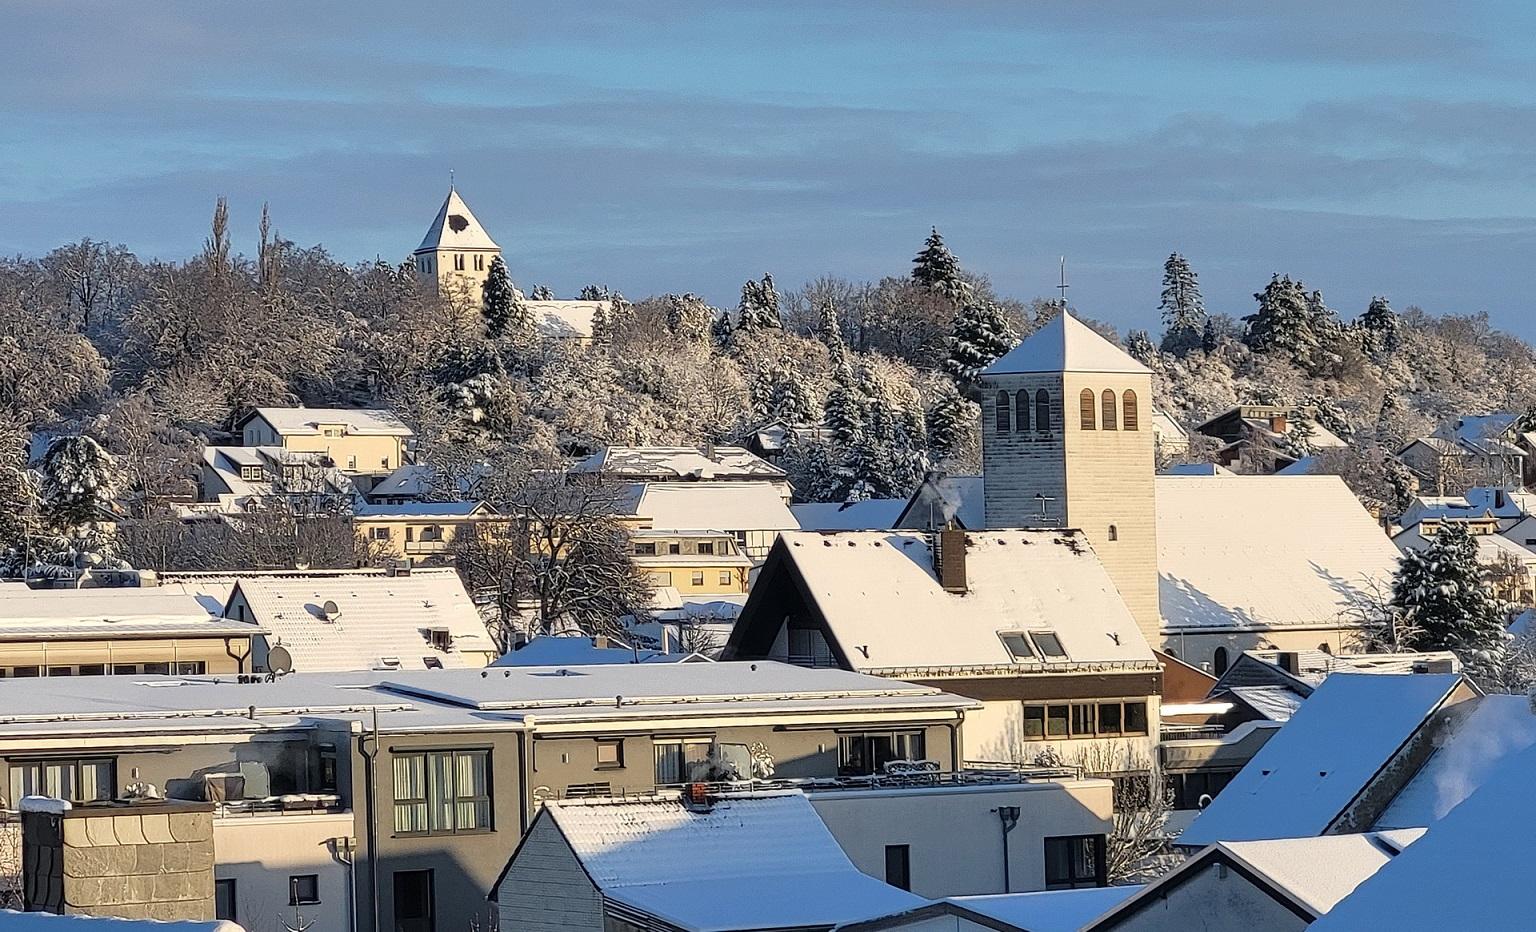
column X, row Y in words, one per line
column 602, row 327
column 759, row 307
column 1182, row 306
column 844, row 416
column 1448, row 604
column 937, row 269
column 688, row 316
column 1138, row 343
column 721, row 331
column 1284, row 322
column 1381, row 328
column 80, row 478
column 503, row 307
column 982, row 333
column 949, row 419
column 594, row 293
column 540, row 292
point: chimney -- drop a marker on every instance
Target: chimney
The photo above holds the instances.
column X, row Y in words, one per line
column 1498, row 498
column 1277, row 422
column 1289, row 661
column 951, row 560
column 600, row 641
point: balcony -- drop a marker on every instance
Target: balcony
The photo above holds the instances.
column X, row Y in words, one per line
column 294, row 804
column 426, row 546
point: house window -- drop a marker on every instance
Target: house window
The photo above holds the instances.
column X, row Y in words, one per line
column 379, row 533
column 610, row 752
column 1002, row 413
column 1074, row 862
column 645, row 550
column 303, row 889
column 674, row 548
column 1021, row 409
column 1042, row 411
column 184, row 668
column 661, row 578
column 441, row 792
column 697, row 578
column 867, row 754
column 1085, row 406
column 332, row 431
column 1129, row 417
column 1034, row 722
column 77, row 780
column 92, row 669
column 458, row 262
column 705, row 548
column 898, row 866
column 415, row 907
column 1109, row 719
column 1135, row 719
column 681, row 760
column 1056, row 721
column 224, row 907
column 351, row 462
column 808, row 648
column 479, row 263
column 725, row 577
column 1109, row 409
column 1085, row 720
column 1219, row 661
column 1049, row 645
column 1017, row 643
column 250, row 473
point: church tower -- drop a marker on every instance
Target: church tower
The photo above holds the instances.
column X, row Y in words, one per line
column 1067, row 442
column 455, row 255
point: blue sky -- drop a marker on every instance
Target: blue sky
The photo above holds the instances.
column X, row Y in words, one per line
column 1366, row 147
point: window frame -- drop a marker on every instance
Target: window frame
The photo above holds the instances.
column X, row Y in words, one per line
column 226, row 888
column 1087, row 410
column 682, row 744
column 1048, row 646
column 1021, row 638
column 898, row 870
column 905, row 744
column 1043, row 411
column 18, row 768
column 298, row 895
column 432, row 802
column 1074, row 879
column 1108, row 416
column 1002, row 414
column 614, row 744
column 696, row 578
column 1021, row 402
column 1130, row 412
column 1082, row 719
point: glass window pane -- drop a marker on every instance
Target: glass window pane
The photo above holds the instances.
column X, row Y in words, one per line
column 1034, row 721
column 1049, row 644
column 1109, row 718
column 440, row 792
column 1056, row 721
column 1082, row 719
column 1135, row 718
column 669, row 762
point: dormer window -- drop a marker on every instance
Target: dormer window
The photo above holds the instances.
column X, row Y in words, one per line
column 1049, row 645
column 250, row 473
column 331, row 431
column 1017, row 643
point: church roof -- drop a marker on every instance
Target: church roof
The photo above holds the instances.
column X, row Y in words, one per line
column 1065, row 344
column 455, row 227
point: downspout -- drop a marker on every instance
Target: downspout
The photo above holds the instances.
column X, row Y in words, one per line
column 522, row 778
column 370, row 752
column 1009, row 817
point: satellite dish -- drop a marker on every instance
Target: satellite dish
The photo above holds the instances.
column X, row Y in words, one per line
column 330, row 608
column 279, row 660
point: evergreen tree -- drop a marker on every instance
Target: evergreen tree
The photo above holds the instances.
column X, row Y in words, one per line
column 80, row 478
column 831, row 333
column 503, row 307
column 844, row 417
column 1138, row 343
column 602, row 327
column 720, row 331
column 1209, row 338
column 948, row 418
column 1381, row 328
column 759, row 307
column 542, row 293
column 935, row 266
column 594, row 293
column 1284, row 322
column 1182, row 306
column 982, row 333
column 1447, row 604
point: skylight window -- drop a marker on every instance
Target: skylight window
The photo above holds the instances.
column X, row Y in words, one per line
column 1017, row 643
column 1049, row 645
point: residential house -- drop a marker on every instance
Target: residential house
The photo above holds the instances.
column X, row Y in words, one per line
column 421, row 619
column 692, row 564
column 1319, row 775
column 752, row 511
column 423, row 531
column 1280, row 885
column 1027, row 621
column 362, row 441
column 417, row 482
column 1267, row 438
column 1049, row 911
column 868, row 515
column 1170, row 439
column 1511, row 568
column 237, row 479
column 122, row 631
column 942, row 501
column 1484, row 450
column 772, row 439
column 709, row 463
column 395, row 796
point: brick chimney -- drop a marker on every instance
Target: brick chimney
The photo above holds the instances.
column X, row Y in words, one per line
column 951, row 560
column 1277, row 423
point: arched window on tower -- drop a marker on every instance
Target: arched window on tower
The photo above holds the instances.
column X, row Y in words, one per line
column 1109, row 418
column 1042, row 411
column 1021, row 410
column 1219, row 661
column 1114, row 533
column 1130, row 418
column 1002, row 412
column 1086, row 404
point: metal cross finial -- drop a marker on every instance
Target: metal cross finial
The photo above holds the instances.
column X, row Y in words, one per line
column 1063, row 286
column 450, row 179
column 1043, row 502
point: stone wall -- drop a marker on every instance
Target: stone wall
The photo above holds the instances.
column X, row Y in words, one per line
column 136, row 861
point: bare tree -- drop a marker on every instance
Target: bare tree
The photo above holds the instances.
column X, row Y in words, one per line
column 1140, row 846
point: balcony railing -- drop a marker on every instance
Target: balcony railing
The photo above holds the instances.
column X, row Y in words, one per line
column 293, row 804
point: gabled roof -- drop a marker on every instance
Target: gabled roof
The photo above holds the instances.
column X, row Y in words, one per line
column 942, row 497
column 1065, row 344
column 445, row 510
column 1308, row 875
column 870, row 515
column 170, row 610
column 307, row 421
column 673, row 463
column 418, row 480
column 455, row 227
column 886, row 611
column 732, row 505
column 1260, row 551
column 1306, row 776
column 380, row 617
column 764, row 861
column 1467, row 872
column 1273, row 703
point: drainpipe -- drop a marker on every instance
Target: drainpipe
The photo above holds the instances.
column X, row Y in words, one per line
column 1009, row 817
column 370, row 753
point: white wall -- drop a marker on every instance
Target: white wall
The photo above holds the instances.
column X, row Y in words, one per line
column 260, row 853
column 995, row 732
column 1210, row 901
column 955, row 834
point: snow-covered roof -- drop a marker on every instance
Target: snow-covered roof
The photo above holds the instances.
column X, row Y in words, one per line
column 307, row 421
column 1262, row 551
column 1467, row 872
column 883, row 602
column 1196, row 469
column 1479, row 736
column 415, row 481
column 764, row 861
column 380, row 617
column 171, row 610
column 13, row 921
column 552, row 651
column 664, row 463
column 422, row 510
column 1275, row 703
column 455, row 227
column 871, row 515
column 1312, row 873
column 1050, row 910
column 228, row 461
column 734, row 506
column 1476, row 427
column 941, row 497
column 1165, row 428
column 1492, row 549
column 1302, row 467
column 1476, row 503
column 1065, row 344
column 1307, row 775
column 565, row 320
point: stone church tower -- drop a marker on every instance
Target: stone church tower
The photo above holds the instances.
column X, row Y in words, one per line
column 1067, row 442
column 455, row 255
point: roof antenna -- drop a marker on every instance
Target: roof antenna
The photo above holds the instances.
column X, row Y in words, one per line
column 1063, row 286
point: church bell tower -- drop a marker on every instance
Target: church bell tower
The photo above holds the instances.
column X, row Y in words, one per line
column 455, row 256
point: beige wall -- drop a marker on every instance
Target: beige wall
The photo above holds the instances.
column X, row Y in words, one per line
column 996, row 733
column 954, row 835
column 1199, row 648
column 260, row 853
column 213, row 653
column 443, row 531
column 462, row 288
column 680, row 576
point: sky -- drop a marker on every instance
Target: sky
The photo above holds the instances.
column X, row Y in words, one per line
column 1366, row 147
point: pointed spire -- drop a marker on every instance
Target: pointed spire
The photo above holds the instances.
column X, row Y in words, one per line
column 455, row 227
column 1065, row 344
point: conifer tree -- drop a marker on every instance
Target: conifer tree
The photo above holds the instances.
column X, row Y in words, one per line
column 720, row 331
column 831, row 333
column 982, row 333
column 759, row 307
column 844, row 413
column 79, row 479
column 947, row 419
column 1445, row 600
column 1381, row 328
column 594, row 293
column 1138, row 343
column 503, row 307
column 1182, row 306
column 1284, row 323
column 935, row 266
column 1209, row 338
column 541, row 293
column 602, row 328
